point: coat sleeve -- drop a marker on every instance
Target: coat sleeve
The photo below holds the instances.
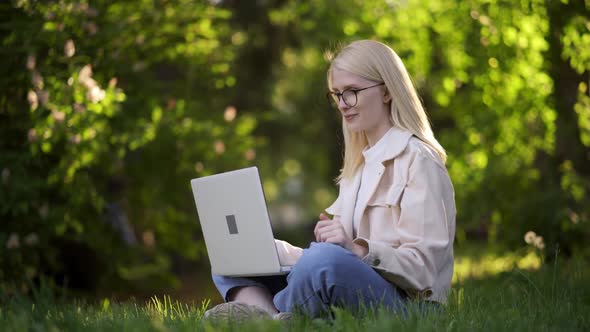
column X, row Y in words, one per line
column 335, row 208
column 425, row 236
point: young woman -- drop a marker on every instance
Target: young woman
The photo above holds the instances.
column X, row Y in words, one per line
column 390, row 239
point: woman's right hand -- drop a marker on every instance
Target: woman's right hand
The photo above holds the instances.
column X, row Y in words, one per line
column 332, row 231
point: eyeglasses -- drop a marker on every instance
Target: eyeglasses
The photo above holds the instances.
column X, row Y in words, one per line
column 349, row 96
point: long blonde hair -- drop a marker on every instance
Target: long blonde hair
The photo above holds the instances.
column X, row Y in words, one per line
column 378, row 62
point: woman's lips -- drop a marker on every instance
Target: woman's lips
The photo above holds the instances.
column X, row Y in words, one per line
column 349, row 117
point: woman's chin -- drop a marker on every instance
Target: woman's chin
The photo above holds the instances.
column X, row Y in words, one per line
column 352, row 126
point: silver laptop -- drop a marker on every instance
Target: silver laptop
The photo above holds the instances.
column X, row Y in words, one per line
column 235, row 223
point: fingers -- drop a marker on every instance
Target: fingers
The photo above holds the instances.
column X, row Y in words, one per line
column 324, row 226
column 324, row 220
column 322, row 234
column 320, row 225
column 336, row 236
column 338, row 239
column 323, row 223
column 333, row 230
column 330, row 236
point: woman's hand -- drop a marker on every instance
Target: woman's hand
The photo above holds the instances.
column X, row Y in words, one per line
column 332, row 231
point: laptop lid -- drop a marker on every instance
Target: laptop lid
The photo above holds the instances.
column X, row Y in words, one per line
column 235, row 223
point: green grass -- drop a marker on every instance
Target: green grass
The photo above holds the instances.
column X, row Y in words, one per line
column 553, row 298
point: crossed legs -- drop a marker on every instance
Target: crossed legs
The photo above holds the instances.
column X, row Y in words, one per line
column 326, row 275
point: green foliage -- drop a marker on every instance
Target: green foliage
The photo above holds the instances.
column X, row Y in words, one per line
column 495, row 91
column 108, row 109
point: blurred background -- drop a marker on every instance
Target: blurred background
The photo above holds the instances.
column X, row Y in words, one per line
column 109, row 108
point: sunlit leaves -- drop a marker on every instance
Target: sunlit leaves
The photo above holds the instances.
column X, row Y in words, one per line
column 573, row 183
column 576, row 42
column 151, row 93
column 582, row 109
column 161, row 108
column 484, row 65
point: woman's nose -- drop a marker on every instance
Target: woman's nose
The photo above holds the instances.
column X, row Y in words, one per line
column 342, row 104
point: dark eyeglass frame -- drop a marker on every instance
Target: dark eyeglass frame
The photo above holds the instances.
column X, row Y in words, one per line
column 336, row 96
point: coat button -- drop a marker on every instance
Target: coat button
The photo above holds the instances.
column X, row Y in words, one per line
column 376, row 262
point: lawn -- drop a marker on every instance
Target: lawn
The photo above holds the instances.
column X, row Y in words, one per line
column 554, row 297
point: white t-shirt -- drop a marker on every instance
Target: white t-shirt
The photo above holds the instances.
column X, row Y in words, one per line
column 372, row 155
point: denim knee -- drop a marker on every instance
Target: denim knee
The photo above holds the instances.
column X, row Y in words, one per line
column 325, row 260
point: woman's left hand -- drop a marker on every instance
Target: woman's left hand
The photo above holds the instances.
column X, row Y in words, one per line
column 332, row 231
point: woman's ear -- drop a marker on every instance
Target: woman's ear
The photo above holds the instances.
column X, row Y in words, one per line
column 386, row 97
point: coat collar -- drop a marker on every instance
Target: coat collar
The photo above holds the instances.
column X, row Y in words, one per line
column 398, row 140
column 396, row 143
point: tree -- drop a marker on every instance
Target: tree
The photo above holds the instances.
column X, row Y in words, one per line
column 108, row 110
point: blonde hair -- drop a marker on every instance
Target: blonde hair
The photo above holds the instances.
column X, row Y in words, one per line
column 378, row 62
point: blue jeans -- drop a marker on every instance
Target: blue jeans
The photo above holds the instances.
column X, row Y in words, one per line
column 326, row 275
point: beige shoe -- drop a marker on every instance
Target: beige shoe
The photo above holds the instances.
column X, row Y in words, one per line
column 236, row 311
column 282, row 316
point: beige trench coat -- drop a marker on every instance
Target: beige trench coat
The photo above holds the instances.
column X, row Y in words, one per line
column 408, row 222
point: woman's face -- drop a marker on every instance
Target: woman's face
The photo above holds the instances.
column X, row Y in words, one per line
column 371, row 112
